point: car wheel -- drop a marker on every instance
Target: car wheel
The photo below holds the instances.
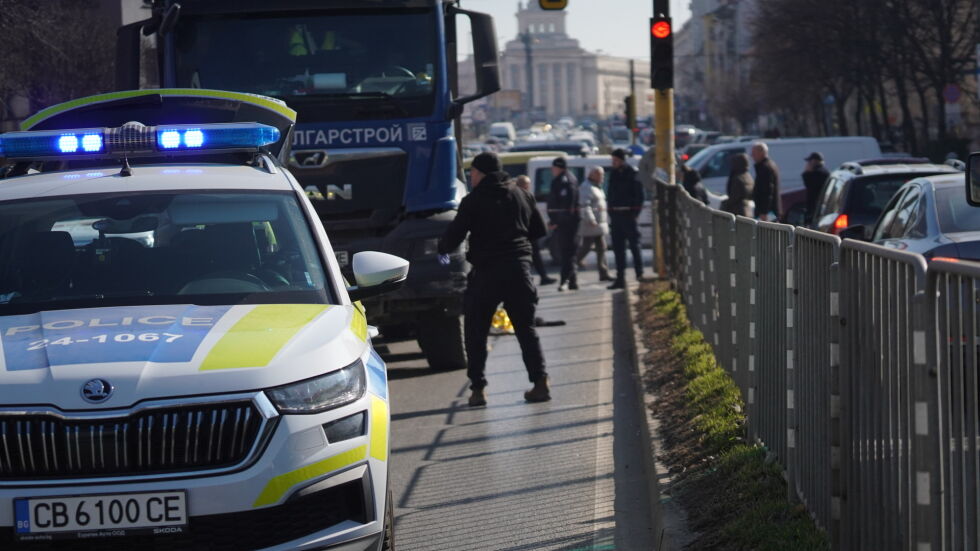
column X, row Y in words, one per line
column 441, row 340
column 388, row 542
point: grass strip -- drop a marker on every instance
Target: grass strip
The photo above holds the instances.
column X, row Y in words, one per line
column 735, row 496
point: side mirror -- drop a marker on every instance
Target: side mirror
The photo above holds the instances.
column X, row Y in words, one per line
column 376, row 273
column 973, row 179
column 856, row 232
column 484, row 55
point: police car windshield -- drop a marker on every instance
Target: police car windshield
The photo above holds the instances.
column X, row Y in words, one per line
column 359, row 56
column 142, row 248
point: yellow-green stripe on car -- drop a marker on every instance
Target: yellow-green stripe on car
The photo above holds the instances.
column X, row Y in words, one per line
column 279, row 485
column 260, row 101
column 379, row 429
column 358, row 324
column 256, row 338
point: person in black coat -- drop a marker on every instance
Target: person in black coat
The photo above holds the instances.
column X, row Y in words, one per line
column 691, row 180
column 501, row 220
column 564, row 219
column 624, row 200
column 814, row 177
column 739, row 187
column 766, row 194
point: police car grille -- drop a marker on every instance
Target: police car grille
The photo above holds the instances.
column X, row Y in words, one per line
column 201, row 436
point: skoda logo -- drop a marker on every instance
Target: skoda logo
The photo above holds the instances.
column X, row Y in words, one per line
column 96, row 391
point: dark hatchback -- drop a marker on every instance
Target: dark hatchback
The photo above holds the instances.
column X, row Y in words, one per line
column 856, row 193
column 929, row 216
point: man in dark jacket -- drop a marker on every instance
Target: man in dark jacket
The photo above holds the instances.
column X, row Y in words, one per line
column 766, row 194
column 564, row 219
column 501, row 220
column 814, row 177
column 625, row 203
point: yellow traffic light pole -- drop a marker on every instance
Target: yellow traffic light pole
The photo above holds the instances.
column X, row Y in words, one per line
column 663, row 103
column 662, row 81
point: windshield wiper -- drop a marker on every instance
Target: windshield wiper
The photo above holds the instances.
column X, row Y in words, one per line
column 93, row 296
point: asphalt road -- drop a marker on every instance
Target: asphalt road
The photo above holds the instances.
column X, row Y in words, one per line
column 568, row 474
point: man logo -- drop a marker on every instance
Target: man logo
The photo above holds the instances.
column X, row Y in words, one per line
column 96, row 391
column 308, row 159
column 337, row 192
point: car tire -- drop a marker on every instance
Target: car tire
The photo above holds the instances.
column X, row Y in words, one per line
column 388, row 540
column 441, row 340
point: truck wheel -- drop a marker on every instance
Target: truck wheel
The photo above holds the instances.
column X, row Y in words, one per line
column 441, row 340
column 388, row 542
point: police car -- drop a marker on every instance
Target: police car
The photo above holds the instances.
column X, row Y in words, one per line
column 182, row 364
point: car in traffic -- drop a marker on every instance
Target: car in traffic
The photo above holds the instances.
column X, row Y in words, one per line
column 691, row 150
column 929, row 216
column 568, row 147
column 856, row 193
column 714, row 163
column 514, row 163
column 213, row 387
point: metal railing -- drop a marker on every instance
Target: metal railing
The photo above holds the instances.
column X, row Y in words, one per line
column 858, row 366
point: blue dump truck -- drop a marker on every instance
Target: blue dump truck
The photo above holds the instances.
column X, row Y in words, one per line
column 374, row 83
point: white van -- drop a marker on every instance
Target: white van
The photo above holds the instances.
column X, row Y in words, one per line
column 503, row 130
column 714, row 163
column 539, row 170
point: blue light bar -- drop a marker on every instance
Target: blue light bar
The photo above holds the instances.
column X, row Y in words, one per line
column 169, row 139
column 52, row 143
column 92, row 143
column 233, row 135
column 134, row 139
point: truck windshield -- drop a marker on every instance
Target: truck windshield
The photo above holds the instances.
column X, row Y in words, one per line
column 128, row 249
column 349, row 57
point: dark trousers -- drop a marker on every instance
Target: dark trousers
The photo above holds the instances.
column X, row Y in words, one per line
column 538, row 261
column 623, row 228
column 568, row 241
column 487, row 286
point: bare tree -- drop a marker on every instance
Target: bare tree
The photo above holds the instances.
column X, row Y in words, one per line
column 54, row 50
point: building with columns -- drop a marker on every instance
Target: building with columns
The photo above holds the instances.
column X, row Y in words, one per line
column 566, row 79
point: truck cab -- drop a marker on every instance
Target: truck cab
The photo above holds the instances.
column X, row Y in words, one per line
column 374, row 146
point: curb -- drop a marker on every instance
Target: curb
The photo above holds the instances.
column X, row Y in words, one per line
column 669, row 521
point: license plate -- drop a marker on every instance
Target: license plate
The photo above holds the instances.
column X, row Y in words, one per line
column 48, row 518
column 343, row 258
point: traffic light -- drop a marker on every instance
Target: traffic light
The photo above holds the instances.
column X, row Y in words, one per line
column 661, row 53
column 630, row 112
column 553, row 4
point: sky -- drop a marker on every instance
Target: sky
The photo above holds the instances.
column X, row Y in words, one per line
column 617, row 27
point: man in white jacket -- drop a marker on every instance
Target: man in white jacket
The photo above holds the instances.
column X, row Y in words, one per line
column 594, row 227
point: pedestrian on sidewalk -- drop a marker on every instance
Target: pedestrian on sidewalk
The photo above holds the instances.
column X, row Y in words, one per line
column 524, row 183
column 739, row 187
column 814, row 176
column 501, row 220
column 691, row 180
column 563, row 215
column 766, row 193
column 593, row 228
column 625, row 203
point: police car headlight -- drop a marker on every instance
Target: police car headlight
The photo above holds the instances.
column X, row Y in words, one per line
column 321, row 393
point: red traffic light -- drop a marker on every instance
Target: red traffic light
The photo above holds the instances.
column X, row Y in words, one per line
column 660, row 29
